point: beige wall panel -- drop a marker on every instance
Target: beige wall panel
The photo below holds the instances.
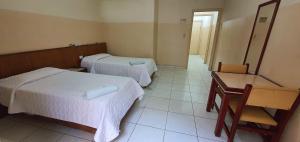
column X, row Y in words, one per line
column 233, row 40
column 195, row 38
column 130, row 39
column 205, row 35
column 75, row 9
column 213, row 38
column 129, row 26
column 22, row 31
column 173, row 43
column 172, row 51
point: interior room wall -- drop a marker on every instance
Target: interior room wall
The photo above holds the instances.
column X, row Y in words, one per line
column 259, row 36
column 34, row 24
column 129, row 26
column 205, row 35
column 174, row 27
column 195, row 38
column 213, row 39
column 236, row 29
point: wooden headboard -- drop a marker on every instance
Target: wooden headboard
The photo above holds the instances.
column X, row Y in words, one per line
column 66, row 57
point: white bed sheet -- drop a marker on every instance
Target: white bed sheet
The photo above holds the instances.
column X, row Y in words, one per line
column 60, row 96
column 119, row 66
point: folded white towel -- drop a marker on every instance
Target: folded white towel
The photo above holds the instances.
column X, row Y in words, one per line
column 136, row 62
column 101, row 91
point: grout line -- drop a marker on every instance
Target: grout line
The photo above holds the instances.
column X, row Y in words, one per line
column 131, row 133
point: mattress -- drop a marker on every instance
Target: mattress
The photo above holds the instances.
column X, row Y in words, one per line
column 120, row 66
column 59, row 94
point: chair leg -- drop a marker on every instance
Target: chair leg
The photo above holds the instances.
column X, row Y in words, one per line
column 222, row 115
column 233, row 129
column 212, row 94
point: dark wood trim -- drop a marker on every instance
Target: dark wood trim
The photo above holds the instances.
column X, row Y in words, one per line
column 247, row 70
column 219, row 66
column 271, row 81
column 3, row 111
column 66, row 57
column 268, row 34
column 212, row 94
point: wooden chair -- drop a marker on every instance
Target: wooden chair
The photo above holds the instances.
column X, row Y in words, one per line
column 230, row 68
column 233, row 68
column 250, row 109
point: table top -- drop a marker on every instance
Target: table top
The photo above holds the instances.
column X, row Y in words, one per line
column 237, row 82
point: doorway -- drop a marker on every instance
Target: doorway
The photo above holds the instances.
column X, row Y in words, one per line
column 203, row 37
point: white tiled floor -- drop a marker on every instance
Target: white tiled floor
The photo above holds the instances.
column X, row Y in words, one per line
column 172, row 110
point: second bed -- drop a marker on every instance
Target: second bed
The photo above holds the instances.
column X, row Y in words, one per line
column 140, row 69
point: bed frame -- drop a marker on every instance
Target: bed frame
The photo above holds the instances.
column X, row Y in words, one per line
column 64, row 58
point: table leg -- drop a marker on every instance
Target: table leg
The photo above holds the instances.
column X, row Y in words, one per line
column 212, row 96
column 222, row 115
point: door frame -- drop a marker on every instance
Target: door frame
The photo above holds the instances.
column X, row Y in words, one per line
column 213, row 50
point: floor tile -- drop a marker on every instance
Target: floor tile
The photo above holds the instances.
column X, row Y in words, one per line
column 153, row 118
column 206, row 140
column 206, row 127
column 18, row 132
column 161, row 93
column 134, row 115
column 142, row 103
column 146, row 134
column 181, row 107
column 196, row 98
column 158, row 103
column 81, row 134
column 181, row 123
column 57, row 128
column 183, row 88
column 126, row 131
column 44, row 135
column 200, row 111
column 200, row 90
column 6, row 123
column 244, row 136
column 181, row 96
column 177, row 137
column 67, row 138
column 163, row 86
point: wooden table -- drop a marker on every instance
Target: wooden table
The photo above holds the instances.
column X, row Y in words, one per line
column 232, row 84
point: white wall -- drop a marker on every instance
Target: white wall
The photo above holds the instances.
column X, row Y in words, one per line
column 75, row 9
column 126, row 11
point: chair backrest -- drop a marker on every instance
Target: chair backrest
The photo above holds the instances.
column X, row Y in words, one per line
column 275, row 98
column 233, row 68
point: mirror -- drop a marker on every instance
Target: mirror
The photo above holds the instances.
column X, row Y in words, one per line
column 261, row 31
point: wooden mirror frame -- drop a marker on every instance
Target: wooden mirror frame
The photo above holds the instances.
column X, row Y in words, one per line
column 268, row 34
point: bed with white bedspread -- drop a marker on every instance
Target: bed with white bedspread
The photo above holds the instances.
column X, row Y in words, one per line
column 60, row 94
column 140, row 69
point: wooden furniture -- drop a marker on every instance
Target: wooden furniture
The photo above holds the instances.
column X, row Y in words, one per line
column 67, row 57
column 261, row 32
column 249, row 108
column 78, row 69
column 233, row 68
column 233, row 85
